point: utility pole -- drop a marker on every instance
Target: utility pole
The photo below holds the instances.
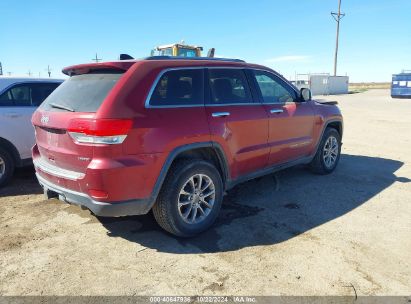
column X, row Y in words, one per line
column 96, row 59
column 48, row 70
column 29, row 73
column 1, row 70
column 337, row 17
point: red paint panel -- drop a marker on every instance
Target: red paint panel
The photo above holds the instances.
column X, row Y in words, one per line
column 243, row 135
column 290, row 132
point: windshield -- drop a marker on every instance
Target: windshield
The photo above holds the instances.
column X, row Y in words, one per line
column 186, row 52
column 166, row 52
column 82, row 93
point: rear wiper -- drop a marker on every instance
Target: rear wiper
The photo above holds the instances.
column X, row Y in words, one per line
column 59, row 106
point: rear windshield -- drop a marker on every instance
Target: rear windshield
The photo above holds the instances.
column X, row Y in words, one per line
column 81, row 93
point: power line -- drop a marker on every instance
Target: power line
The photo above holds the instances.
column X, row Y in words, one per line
column 337, row 17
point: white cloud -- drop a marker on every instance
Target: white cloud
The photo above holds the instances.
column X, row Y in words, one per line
column 289, row 58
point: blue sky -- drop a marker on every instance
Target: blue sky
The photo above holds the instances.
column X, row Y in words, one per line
column 289, row 36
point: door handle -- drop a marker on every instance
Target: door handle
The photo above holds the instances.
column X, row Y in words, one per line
column 220, row 114
column 12, row 115
column 276, row 111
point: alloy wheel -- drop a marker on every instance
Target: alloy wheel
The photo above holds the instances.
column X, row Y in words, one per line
column 196, row 198
column 330, row 152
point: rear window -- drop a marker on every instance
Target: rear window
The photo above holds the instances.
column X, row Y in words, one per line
column 82, row 93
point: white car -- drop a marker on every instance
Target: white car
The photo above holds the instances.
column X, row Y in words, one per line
column 19, row 98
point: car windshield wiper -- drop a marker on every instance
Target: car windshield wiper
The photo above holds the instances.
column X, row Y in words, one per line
column 59, row 106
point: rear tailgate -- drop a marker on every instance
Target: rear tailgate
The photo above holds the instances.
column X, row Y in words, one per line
column 54, row 143
column 71, row 106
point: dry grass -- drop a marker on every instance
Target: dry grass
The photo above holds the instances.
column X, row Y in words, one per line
column 369, row 85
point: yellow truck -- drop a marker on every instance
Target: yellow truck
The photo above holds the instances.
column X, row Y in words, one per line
column 180, row 50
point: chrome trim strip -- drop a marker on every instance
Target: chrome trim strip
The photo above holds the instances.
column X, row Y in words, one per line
column 207, row 105
column 56, row 171
column 301, row 144
column 175, row 106
column 233, row 104
column 225, row 67
column 64, row 191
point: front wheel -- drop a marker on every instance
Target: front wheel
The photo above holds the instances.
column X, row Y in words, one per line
column 190, row 199
column 328, row 154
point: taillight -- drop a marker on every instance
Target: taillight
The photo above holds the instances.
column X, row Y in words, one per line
column 99, row 131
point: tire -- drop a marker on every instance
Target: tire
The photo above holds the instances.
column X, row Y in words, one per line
column 319, row 163
column 172, row 210
column 6, row 167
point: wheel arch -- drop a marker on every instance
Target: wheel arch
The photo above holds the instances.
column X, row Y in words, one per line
column 209, row 151
column 8, row 146
column 335, row 124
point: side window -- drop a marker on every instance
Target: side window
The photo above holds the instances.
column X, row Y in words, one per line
column 27, row 95
column 179, row 87
column 6, row 99
column 19, row 95
column 229, row 86
column 272, row 89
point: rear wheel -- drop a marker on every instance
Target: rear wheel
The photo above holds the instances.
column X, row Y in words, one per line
column 328, row 153
column 190, row 199
column 6, row 167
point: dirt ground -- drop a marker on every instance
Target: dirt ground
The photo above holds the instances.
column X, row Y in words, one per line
column 292, row 233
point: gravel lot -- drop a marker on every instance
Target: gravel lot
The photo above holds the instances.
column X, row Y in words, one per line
column 284, row 234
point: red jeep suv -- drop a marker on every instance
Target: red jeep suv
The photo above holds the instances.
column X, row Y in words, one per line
column 172, row 135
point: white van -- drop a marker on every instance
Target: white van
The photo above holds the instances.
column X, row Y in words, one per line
column 19, row 98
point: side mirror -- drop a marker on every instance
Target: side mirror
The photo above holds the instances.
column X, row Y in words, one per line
column 305, row 94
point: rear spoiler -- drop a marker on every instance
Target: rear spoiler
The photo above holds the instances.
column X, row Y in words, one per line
column 88, row 67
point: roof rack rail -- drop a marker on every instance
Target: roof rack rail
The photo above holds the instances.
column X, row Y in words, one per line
column 191, row 58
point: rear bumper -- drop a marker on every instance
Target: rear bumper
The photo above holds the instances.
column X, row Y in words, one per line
column 105, row 209
column 401, row 96
column 105, row 179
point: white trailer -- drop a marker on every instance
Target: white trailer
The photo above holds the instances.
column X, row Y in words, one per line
column 324, row 84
